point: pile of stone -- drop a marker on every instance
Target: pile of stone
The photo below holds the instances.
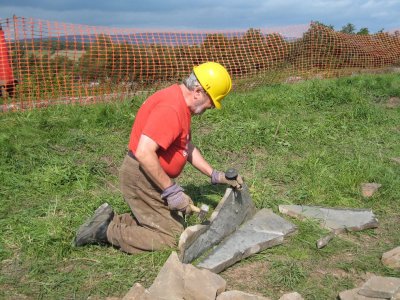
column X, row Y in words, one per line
column 234, row 231
column 237, row 230
column 178, row 281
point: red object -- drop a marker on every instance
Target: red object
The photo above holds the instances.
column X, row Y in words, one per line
column 6, row 73
column 165, row 118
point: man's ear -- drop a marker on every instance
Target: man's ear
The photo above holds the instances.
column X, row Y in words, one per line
column 198, row 91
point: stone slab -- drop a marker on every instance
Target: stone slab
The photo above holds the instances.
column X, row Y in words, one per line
column 336, row 219
column 353, row 295
column 234, row 208
column 380, row 287
column 264, row 230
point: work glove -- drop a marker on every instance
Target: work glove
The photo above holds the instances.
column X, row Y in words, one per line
column 218, row 177
column 177, row 200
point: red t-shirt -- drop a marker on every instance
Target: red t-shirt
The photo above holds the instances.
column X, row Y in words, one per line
column 165, row 118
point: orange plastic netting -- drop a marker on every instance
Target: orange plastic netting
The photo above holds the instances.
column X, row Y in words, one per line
column 43, row 62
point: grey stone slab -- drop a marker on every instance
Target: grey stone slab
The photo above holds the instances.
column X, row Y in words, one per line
column 380, row 287
column 234, row 208
column 336, row 219
column 264, row 230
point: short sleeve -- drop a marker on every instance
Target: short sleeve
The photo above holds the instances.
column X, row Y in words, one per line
column 163, row 126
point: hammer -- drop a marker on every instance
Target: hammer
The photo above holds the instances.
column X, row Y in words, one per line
column 201, row 212
column 232, row 174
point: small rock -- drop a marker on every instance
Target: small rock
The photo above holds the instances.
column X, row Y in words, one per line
column 369, row 189
column 380, row 287
column 238, row 295
column 391, row 258
column 292, row 296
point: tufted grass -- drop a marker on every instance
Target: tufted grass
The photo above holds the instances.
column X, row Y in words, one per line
column 309, row 143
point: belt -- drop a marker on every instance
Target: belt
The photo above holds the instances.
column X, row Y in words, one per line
column 131, row 155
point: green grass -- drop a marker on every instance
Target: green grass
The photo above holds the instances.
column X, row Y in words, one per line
column 310, row 143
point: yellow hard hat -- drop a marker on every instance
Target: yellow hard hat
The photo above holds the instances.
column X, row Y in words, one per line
column 215, row 80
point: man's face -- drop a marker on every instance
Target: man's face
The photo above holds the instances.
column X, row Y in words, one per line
column 202, row 102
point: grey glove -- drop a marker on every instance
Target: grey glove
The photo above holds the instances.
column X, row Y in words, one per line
column 218, row 177
column 177, row 199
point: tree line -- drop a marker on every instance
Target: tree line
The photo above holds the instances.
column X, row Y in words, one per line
column 253, row 53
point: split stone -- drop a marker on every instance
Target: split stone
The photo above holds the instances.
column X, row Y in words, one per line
column 238, row 295
column 336, row 219
column 391, row 258
column 353, row 295
column 177, row 281
column 234, row 208
column 292, row 296
column 264, row 230
column 380, row 287
column 369, row 189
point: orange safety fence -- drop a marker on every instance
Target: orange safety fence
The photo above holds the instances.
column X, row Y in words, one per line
column 44, row 62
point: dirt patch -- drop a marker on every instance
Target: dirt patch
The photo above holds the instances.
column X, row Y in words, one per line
column 111, row 165
column 246, row 277
column 393, row 102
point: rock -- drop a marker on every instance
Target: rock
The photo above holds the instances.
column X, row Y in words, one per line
column 380, row 287
column 336, row 219
column 369, row 189
column 180, row 281
column 396, row 296
column 264, row 230
column 237, row 295
column 188, row 237
column 292, row 296
column 169, row 281
column 202, row 284
column 234, row 208
column 353, row 295
column 137, row 292
column 391, row 258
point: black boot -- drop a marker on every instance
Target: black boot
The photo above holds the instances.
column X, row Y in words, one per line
column 94, row 230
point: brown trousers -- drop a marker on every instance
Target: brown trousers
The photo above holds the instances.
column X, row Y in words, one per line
column 153, row 226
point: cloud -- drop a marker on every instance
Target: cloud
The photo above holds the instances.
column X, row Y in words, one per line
column 210, row 14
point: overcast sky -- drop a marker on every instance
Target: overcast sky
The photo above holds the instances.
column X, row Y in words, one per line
column 209, row 14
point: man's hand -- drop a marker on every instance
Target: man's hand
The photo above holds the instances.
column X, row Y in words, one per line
column 218, row 177
column 177, row 199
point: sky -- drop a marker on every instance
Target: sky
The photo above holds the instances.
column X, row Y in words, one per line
column 210, row 14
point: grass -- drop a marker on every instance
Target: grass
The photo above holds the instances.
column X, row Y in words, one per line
column 309, row 143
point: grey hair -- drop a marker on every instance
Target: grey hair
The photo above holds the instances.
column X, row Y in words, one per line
column 191, row 82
